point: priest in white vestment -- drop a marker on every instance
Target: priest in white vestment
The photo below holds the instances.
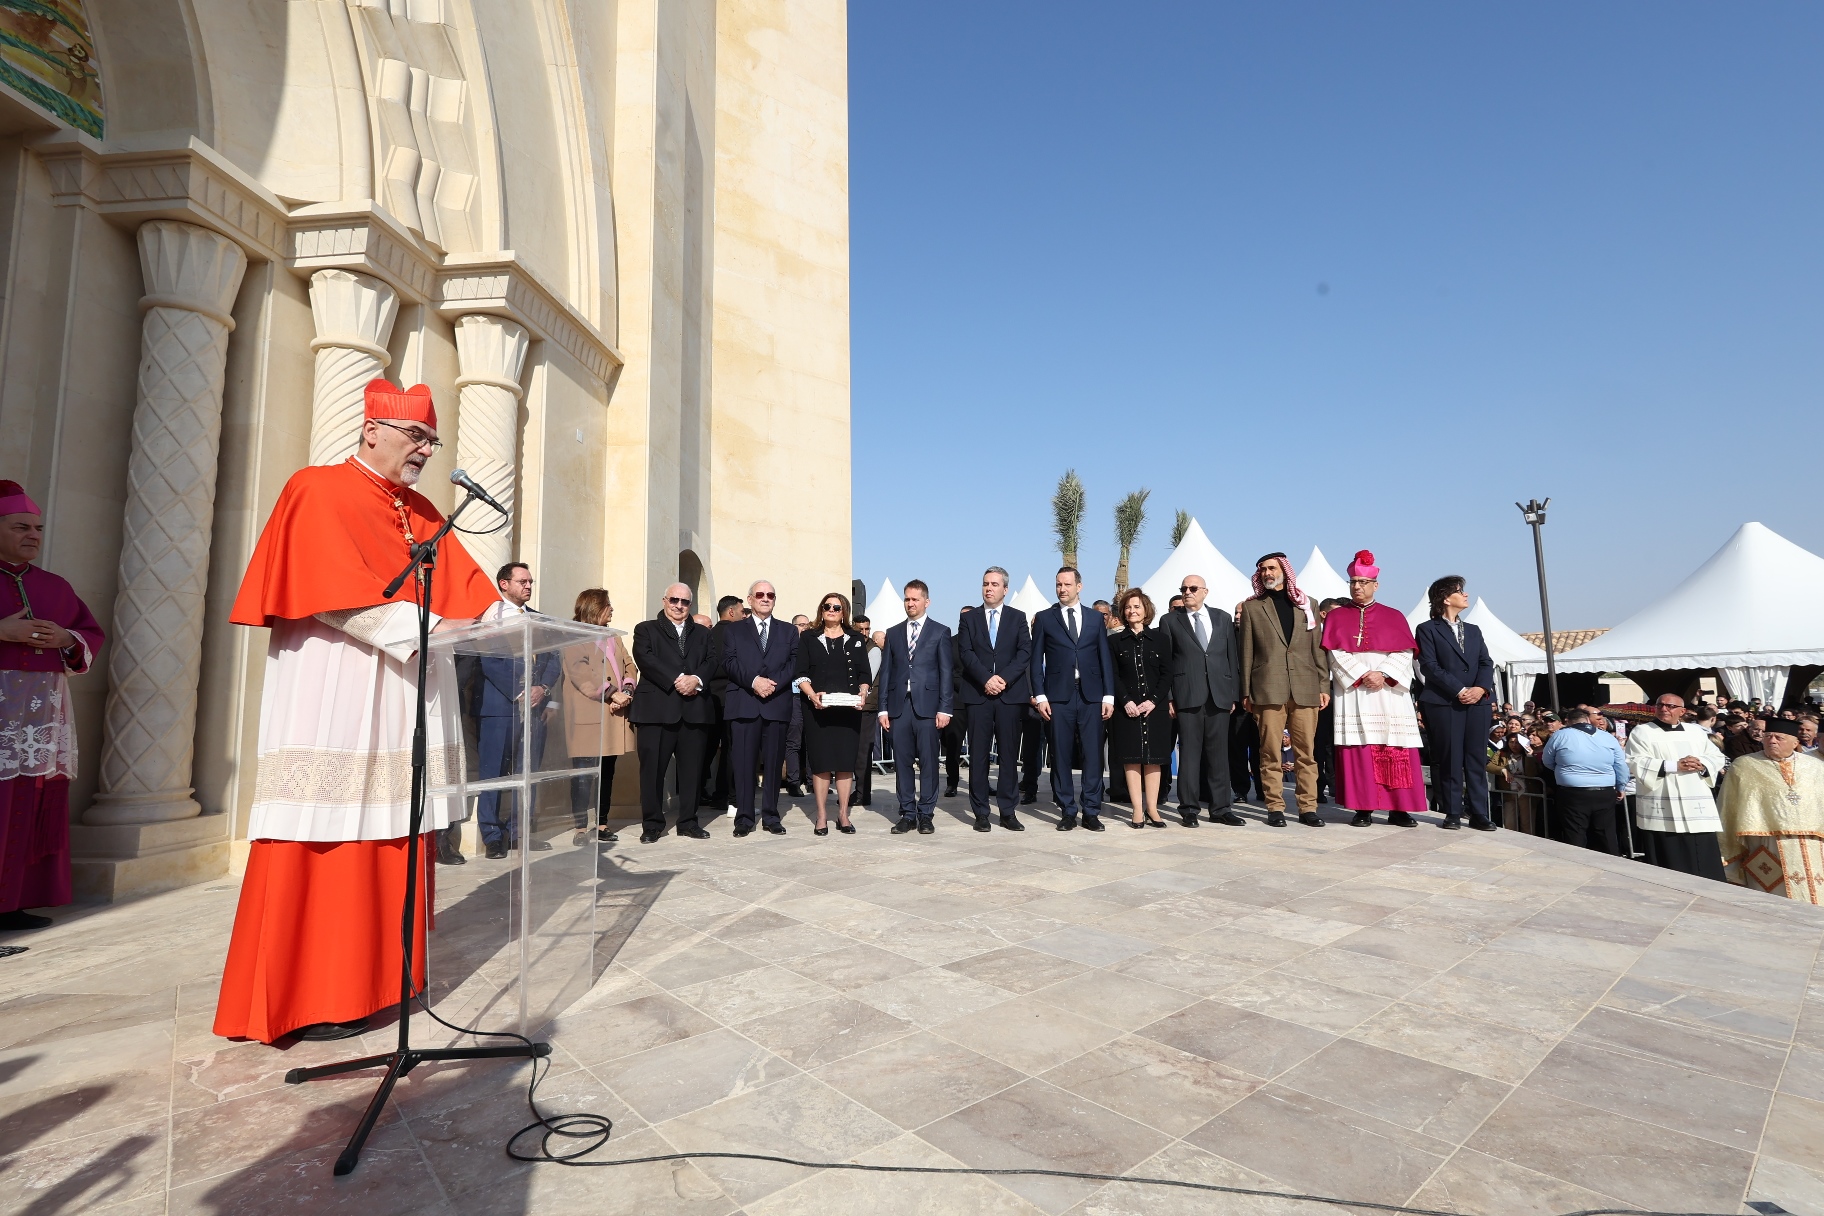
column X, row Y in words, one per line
column 1773, row 817
column 1372, row 656
column 1675, row 771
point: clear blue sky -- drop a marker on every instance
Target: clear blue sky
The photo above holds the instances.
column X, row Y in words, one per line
column 1340, row 274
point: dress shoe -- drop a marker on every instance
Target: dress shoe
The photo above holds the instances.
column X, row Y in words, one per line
column 907, row 824
column 744, row 830
column 447, row 853
column 1276, row 819
column 497, row 850
column 847, row 829
column 777, row 829
column 822, row 831
column 695, row 833
column 1400, row 819
column 982, row 824
column 1093, row 823
column 1188, row 818
column 1136, row 823
column 326, row 1032
column 1362, row 820
column 794, row 790
column 1451, row 823
column 21, row 919
column 541, row 846
column 1481, row 825
column 950, row 791
column 1310, row 819
column 581, row 837
column 1067, row 824
column 926, row 827
column 651, row 837
column 1155, row 822
column 1012, row 824
column 1028, row 799
column 1228, row 819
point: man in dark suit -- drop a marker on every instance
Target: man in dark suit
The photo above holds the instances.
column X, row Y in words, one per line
column 1457, row 702
column 916, row 698
column 952, row 738
column 717, row 791
column 501, row 719
column 759, row 657
column 862, row 793
column 672, row 710
column 1073, row 687
column 1206, row 682
column 995, row 649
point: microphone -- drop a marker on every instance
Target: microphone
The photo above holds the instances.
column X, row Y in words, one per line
column 461, row 478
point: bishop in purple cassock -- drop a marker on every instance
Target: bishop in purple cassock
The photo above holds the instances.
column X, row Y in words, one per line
column 1372, row 656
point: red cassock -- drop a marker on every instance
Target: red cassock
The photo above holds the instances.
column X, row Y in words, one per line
column 316, row 935
column 38, row 739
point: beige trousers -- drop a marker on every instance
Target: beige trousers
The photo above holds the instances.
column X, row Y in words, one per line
column 1301, row 720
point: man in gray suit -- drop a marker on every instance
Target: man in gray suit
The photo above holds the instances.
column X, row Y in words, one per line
column 1206, row 680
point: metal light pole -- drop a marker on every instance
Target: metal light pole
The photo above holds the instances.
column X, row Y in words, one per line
column 1534, row 511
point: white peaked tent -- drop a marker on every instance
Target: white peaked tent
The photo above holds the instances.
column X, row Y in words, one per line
column 1030, row 599
column 1505, row 647
column 1753, row 612
column 1421, row 613
column 1317, row 579
column 887, row 608
column 1196, row 555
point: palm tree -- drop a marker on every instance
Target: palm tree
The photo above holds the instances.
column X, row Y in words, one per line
column 1067, row 515
column 1180, row 527
column 1130, row 517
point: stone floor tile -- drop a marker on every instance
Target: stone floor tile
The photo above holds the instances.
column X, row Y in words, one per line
column 1328, row 906
column 750, row 994
column 922, row 941
column 1357, row 972
column 1635, row 1162
column 1305, row 1002
column 275, row 1123
column 684, row 1076
column 462, row 1143
column 1191, row 971
column 122, row 1165
column 1804, row 1075
column 1034, row 1124
column 1253, row 1043
column 1445, row 1104
column 391, row 1177
column 1734, row 1057
column 1795, row 1130
column 1188, row 1163
column 1296, row 927
column 705, row 960
column 1473, row 1182
column 853, row 966
column 798, row 1117
column 1694, row 1102
column 1154, row 1084
column 83, row 1086
column 918, row 1078
column 1319, row 1147
column 1123, row 1001
column 31, row 1021
column 824, row 1030
column 1090, row 946
column 895, row 1194
column 608, row 1032
column 1541, row 1007
column 1026, row 1033
column 1010, row 925
column 1017, row 969
column 1702, row 1008
column 1260, row 949
column 1525, row 939
column 671, row 1187
column 1792, row 1187
column 928, row 997
column 1500, row 1053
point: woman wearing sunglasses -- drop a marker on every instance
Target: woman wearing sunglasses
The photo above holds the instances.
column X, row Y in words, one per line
column 832, row 664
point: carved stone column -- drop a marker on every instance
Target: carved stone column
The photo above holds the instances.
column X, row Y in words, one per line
column 490, row 353
column 191, row 277
column 354, row 315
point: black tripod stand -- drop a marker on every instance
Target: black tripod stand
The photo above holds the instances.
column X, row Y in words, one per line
column 403, row 1058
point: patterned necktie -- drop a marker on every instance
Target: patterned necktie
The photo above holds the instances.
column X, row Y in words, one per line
column 680, row 631
column 912, row 641
column 763, row 625
column 1458, row 626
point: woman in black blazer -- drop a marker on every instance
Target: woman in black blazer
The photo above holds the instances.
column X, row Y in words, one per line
column 832, row 658
column 1457, row 701
column 1140, row 733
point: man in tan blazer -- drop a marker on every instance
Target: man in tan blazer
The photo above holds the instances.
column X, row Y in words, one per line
column 1285, row 681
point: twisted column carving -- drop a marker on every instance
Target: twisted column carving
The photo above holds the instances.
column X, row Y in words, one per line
column 191, row 277
column 490, row 354
column 354, row 315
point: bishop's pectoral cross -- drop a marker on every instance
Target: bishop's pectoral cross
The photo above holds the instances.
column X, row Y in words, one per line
column 1361, row 625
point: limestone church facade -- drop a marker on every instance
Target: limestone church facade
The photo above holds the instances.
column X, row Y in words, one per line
column 611, row 235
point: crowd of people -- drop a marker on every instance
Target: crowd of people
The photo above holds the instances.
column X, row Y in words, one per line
column 1195, row 704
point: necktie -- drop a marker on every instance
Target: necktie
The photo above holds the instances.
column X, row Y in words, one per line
column 912, row 641
column 1070, row 615
column 763, row 625
column 680, row 630
column 1203, row 630
column 994, row 624
column 1458, row 626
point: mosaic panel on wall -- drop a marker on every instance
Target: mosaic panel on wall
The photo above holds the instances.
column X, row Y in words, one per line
column 47, row 57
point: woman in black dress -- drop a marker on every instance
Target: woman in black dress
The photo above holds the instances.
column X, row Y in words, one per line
column 1140, row 733
column 832, row 658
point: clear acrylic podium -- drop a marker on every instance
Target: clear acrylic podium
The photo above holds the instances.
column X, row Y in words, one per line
column 514, row 940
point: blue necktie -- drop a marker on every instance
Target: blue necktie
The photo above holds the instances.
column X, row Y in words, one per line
column 994, row 625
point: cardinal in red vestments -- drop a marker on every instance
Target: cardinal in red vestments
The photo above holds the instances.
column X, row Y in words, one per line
column 316, row 944
column 45, row 631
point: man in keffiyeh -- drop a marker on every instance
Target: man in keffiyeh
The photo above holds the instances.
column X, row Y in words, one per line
column 1372, row 656
column 1285, row 678
column 45, row 632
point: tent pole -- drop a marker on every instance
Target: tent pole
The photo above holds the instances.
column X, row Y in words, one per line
column 1534, row 512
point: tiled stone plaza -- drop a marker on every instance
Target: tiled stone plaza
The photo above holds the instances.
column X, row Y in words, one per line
column 1456, row 1021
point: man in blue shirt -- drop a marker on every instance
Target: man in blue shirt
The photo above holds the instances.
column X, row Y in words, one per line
column 1591, row 771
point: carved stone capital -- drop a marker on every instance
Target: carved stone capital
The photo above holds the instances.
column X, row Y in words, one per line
column 490, row 350
column 364, row 239
column 502, row 286
column 354, row 315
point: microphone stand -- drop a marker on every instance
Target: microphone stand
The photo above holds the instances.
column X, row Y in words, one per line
column 403, row 1058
